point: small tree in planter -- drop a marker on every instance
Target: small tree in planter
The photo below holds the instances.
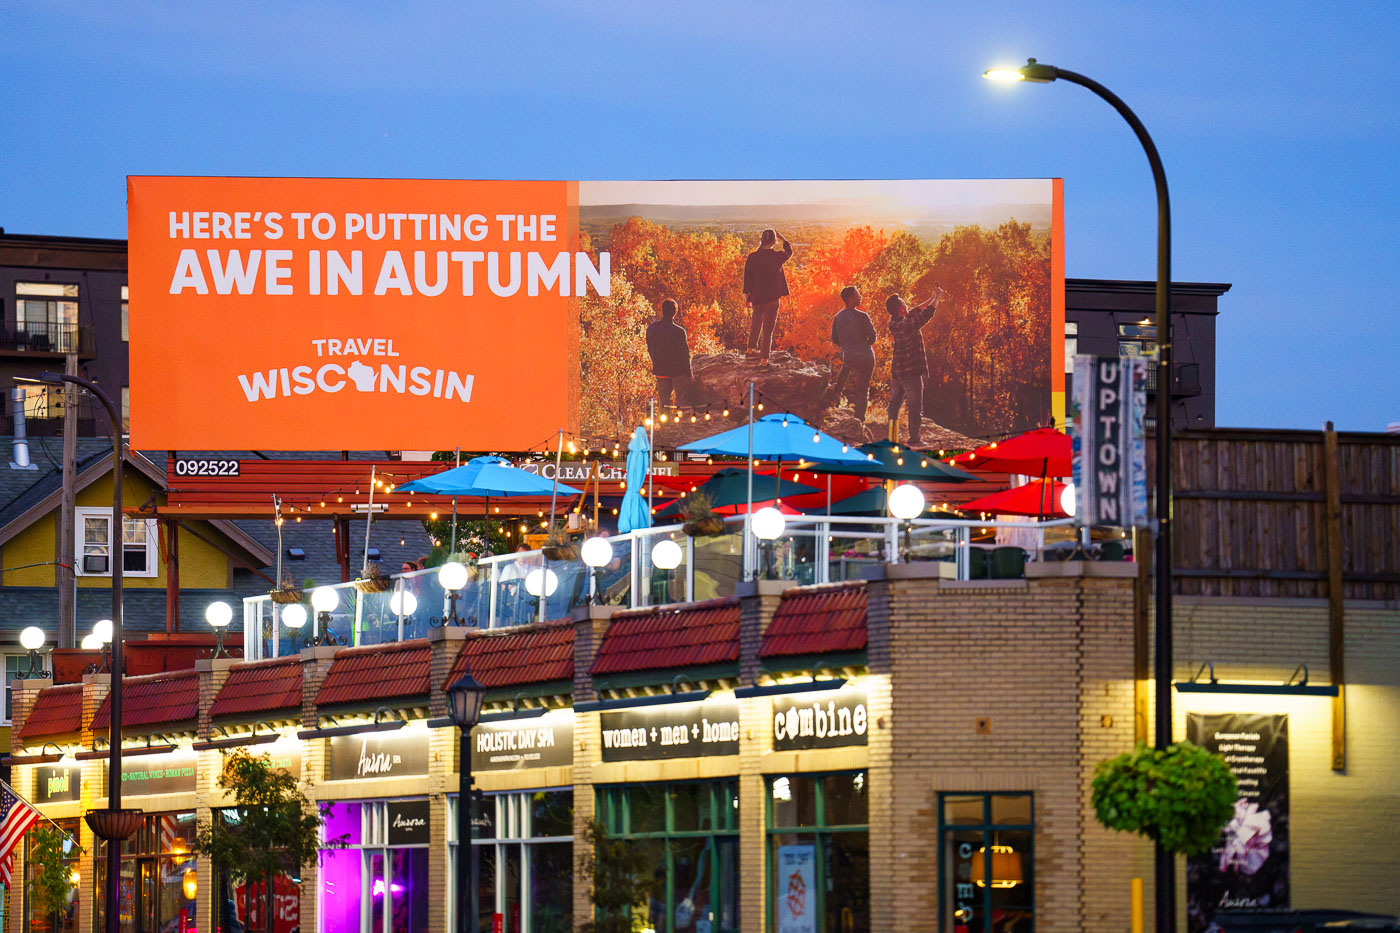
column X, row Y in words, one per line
column 51, row 888
column 701, row 520
column 619, row 877
column 276, row 831
column 1180, row 797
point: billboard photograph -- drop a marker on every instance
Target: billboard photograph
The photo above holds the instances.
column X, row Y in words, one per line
column 311, row 314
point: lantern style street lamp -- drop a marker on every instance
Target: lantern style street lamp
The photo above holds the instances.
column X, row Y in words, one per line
column 1033, row 71
column 906, row 503
column 219, row 615
column 464, row 697
column 31, row 640
column 452, row 575
column 325, row 600
column 596, row 553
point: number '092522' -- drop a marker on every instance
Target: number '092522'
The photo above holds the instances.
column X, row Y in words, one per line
column 206, row 467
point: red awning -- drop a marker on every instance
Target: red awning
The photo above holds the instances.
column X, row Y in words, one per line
column 57, row 711
column 379, row 672
column 515, row 657
column 260, row 687
column 153, row 700
column 651, row 639
column 817, row 620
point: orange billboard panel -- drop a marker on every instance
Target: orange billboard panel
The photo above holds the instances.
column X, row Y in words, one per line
column 314, row 314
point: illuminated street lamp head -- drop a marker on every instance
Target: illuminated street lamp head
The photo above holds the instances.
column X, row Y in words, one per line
column 1031, row 71
column 218, row 614
column 32, row 638
column 102, row 628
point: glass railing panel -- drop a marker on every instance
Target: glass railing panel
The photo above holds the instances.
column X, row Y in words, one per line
column 614, row 579
column 790, row 556
column 659, row 585
column 851, row 549
column 378, row 622
column 719, row 562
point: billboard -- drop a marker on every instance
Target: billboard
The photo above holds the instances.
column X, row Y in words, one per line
column 308, row 314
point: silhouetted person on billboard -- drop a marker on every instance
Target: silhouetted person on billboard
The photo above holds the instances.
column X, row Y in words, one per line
column 669, row 347
column 853, row 331
column 909, row 359
column 765, row 284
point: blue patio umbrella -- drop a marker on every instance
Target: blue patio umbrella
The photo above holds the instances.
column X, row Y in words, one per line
column 778, row 437
column 485, row 476
column 635, row 513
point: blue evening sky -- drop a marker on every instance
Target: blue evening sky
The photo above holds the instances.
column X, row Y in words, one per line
column 1277, row 123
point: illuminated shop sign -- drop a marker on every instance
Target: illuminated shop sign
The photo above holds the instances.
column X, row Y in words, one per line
column 820, row 720
column 525, row 743
column 377, row 755
column 682, row 730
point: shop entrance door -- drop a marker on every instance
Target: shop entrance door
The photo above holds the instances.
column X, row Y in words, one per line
column 147, row 885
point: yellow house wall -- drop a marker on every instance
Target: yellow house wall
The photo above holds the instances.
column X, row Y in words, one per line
column 201, row 566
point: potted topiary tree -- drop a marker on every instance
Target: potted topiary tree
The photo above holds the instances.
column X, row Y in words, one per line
column 701, row 520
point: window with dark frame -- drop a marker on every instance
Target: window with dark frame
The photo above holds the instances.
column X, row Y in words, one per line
column 986, row 863
column 823, row 819
column 160, row 870
column 690, row 830
column 46, row 316
column 66, row 919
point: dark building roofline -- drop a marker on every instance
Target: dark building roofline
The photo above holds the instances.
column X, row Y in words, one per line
column 1211, row 289
column 44, row 240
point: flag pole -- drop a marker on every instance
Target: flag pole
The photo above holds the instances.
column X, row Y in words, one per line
column 31, row 806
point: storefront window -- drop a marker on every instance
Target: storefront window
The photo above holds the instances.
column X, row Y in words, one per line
column 379, row 882
column 819, row 852
column 66, row 919
column 524, row 847
column 244, row 905
column 986, row 863
column 690, row 832
column 158, row 888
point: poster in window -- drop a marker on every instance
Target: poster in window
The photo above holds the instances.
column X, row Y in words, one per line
column 1249, row 865
column 795, row 889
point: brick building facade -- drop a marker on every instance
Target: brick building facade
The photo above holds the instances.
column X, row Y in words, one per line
column 1006, row 692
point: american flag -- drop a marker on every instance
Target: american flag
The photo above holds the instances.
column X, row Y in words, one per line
column 16, row 817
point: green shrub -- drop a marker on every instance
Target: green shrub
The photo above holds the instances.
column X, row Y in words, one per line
column 1180, row 797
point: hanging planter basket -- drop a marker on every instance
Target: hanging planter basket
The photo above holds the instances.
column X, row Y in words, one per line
column 707, row 526
column 286, row 594
column 560, row 552
column 373, row 581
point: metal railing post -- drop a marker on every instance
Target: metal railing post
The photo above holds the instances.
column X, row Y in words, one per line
column 495, row 588
column 822, row 572
column 964, row 555
column 689, row 569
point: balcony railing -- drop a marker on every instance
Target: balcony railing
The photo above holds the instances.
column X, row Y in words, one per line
column 523, row 587
column 52, row 338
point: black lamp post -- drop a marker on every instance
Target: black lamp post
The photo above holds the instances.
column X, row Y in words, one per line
column 1033, row 71
column 465, row 697
column 112, row 823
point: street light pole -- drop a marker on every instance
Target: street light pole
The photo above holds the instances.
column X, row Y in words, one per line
column 114, row 730
column 465, row 696
column 1033, row 71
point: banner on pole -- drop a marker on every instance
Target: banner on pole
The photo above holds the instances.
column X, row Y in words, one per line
column 1110, row 457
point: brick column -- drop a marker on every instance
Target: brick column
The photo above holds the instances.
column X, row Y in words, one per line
column 758, row 600
column 590, row 624
column 444, row 645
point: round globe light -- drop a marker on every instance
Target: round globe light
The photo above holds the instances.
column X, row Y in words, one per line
column 1068, row 505
column 294, row 616
column 667, row 554
column 404, row 603
column 596, row 552
column 102, row 628
column 453, row 575
column 768, row 523
column 324, row 599
column 91, row 643
column 32, row 638
column 906, row 502
column 218, row 614
column 541, row 581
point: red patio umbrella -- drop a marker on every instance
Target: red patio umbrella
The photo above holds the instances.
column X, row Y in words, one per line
column 1036, row 498
column 1042, row 452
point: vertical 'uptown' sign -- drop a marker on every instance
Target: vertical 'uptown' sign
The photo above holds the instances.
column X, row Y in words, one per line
column 1110, row 458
